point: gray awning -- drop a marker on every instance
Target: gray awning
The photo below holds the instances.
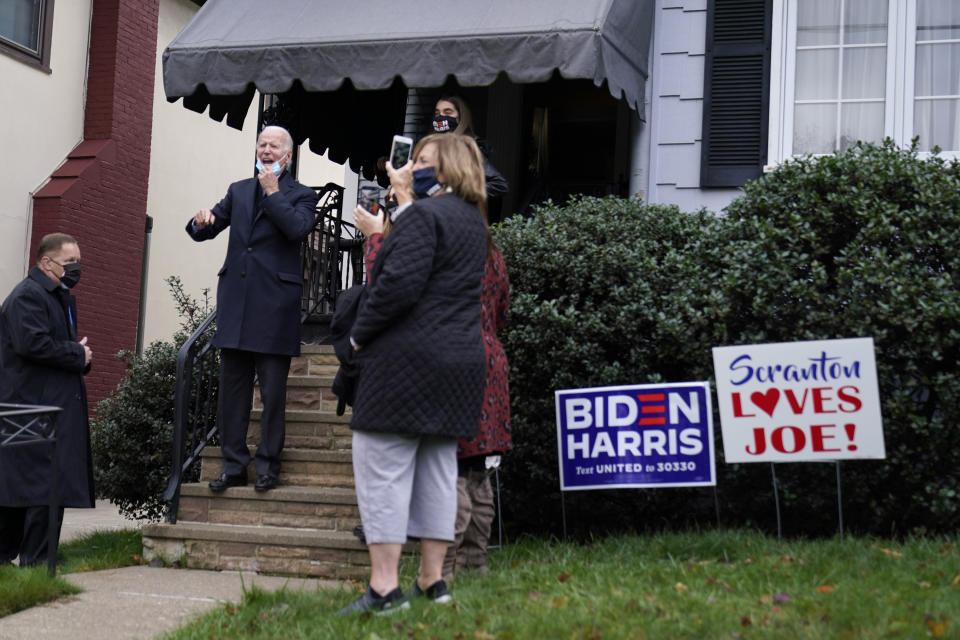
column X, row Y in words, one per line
column 340, row 61
column 231, row 44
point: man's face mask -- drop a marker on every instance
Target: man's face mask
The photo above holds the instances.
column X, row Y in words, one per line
column 71, row 273
column 276, row 167
column 444, row 124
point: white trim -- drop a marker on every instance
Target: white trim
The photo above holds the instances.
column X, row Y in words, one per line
column 898, row 99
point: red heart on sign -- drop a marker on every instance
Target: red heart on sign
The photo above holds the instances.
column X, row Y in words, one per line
column 766, row 401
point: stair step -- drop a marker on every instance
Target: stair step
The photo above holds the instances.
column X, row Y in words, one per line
column 322, row 508
column 264, row 549
column 308, row 430
column 298, row 467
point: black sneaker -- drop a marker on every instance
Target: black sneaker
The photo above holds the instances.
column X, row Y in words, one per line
column 377, row 604
column 437, row 592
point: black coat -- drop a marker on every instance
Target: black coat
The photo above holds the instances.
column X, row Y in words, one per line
column 421, row 358
column 42, row 363
column 261, row 280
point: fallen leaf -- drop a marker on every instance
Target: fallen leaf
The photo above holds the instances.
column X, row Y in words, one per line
column 650, row 597
column 891, row 552
column 765, row 598
column 745, row 621
column 558, row 603
column 937, row 627
column 712, row 579
column 748, row 561
column 680, row 587
column 923, row 584
column 482, row 635
column 824, row 588
column 563, row 577
column 787, row 559
column 956, row 580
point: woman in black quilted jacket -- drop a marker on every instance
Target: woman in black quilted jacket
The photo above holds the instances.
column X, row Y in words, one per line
column 419, row 346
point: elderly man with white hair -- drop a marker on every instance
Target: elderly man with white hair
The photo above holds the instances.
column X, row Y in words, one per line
column 258, row 304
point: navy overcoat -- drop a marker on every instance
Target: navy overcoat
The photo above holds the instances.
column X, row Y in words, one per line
column 42, row 363
column 261, row 280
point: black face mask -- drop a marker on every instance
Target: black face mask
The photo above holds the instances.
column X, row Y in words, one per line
column 444, row 124
column 71, row 274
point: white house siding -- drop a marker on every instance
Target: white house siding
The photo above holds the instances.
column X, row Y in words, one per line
column 676, row 108
column 42, row 121
column 193, row 160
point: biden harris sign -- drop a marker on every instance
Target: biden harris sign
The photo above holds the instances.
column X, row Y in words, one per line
column 638, row 436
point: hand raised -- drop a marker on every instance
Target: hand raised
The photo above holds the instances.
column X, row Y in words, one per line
column 203, row 218
column 368, row 223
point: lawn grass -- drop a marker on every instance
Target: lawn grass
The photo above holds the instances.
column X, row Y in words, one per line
column 27, row 587
column 731, row 584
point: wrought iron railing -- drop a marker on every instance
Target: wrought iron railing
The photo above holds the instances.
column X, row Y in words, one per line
column 32, row 425
column 332, row 260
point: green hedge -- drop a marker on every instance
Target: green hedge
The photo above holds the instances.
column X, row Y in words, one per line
column 131, row 432
column 611, row 291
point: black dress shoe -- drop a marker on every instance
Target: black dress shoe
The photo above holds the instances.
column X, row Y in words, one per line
column 226, row 480
column 265, row 483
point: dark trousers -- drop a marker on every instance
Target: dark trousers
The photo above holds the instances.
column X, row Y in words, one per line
column 23, row 532
column 237, row 370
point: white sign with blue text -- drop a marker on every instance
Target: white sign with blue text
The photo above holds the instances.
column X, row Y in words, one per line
column 799, row 401
column 636, row 436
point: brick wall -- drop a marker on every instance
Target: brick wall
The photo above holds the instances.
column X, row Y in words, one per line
column 99, row 195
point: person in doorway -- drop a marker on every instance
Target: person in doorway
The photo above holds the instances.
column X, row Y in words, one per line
column 258, row 304
column 452, row 115
column 419, row 347
column 42, row 362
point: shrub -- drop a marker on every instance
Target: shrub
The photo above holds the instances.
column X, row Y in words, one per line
column 131, row 433
column 860, row 243
column 605, row 291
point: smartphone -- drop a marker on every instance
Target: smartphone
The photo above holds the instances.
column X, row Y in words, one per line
column 400, row 151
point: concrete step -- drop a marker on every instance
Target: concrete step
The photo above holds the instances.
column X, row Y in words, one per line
column 315, row 360
column 306, row 393
column 298, row 467
column 322, row 508
column 263, row 549
column 308, row 430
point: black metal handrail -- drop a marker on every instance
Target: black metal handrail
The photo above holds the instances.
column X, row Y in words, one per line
column 331, row 258
column 26, row 424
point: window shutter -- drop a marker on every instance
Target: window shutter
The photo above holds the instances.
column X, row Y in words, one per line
column 736, row 92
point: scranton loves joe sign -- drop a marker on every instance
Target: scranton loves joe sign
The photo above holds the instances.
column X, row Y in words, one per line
column 635, row 436
column 799, row 401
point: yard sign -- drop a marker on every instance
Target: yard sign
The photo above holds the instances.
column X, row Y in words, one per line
column 799, row 401
column 635, row 436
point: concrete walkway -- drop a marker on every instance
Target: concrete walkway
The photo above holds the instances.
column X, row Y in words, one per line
column 133, row 602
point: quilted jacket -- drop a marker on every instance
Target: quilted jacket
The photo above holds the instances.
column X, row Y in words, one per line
column 422, row 357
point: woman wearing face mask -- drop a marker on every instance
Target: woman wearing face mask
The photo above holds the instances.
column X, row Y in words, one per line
column 418, row 344
column 452, row 115
column 477, row 457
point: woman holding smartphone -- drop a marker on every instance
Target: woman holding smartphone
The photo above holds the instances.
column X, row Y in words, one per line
column 477, row 457
column 418, row 341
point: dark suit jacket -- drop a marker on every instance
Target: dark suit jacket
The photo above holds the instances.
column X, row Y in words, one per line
column 258, row 295
column 42, row 363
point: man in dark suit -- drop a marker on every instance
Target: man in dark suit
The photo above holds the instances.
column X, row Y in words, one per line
column 42, row 363
column 258, row 304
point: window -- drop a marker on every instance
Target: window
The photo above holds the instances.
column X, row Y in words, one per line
column 25, row 28
column 853, row 70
